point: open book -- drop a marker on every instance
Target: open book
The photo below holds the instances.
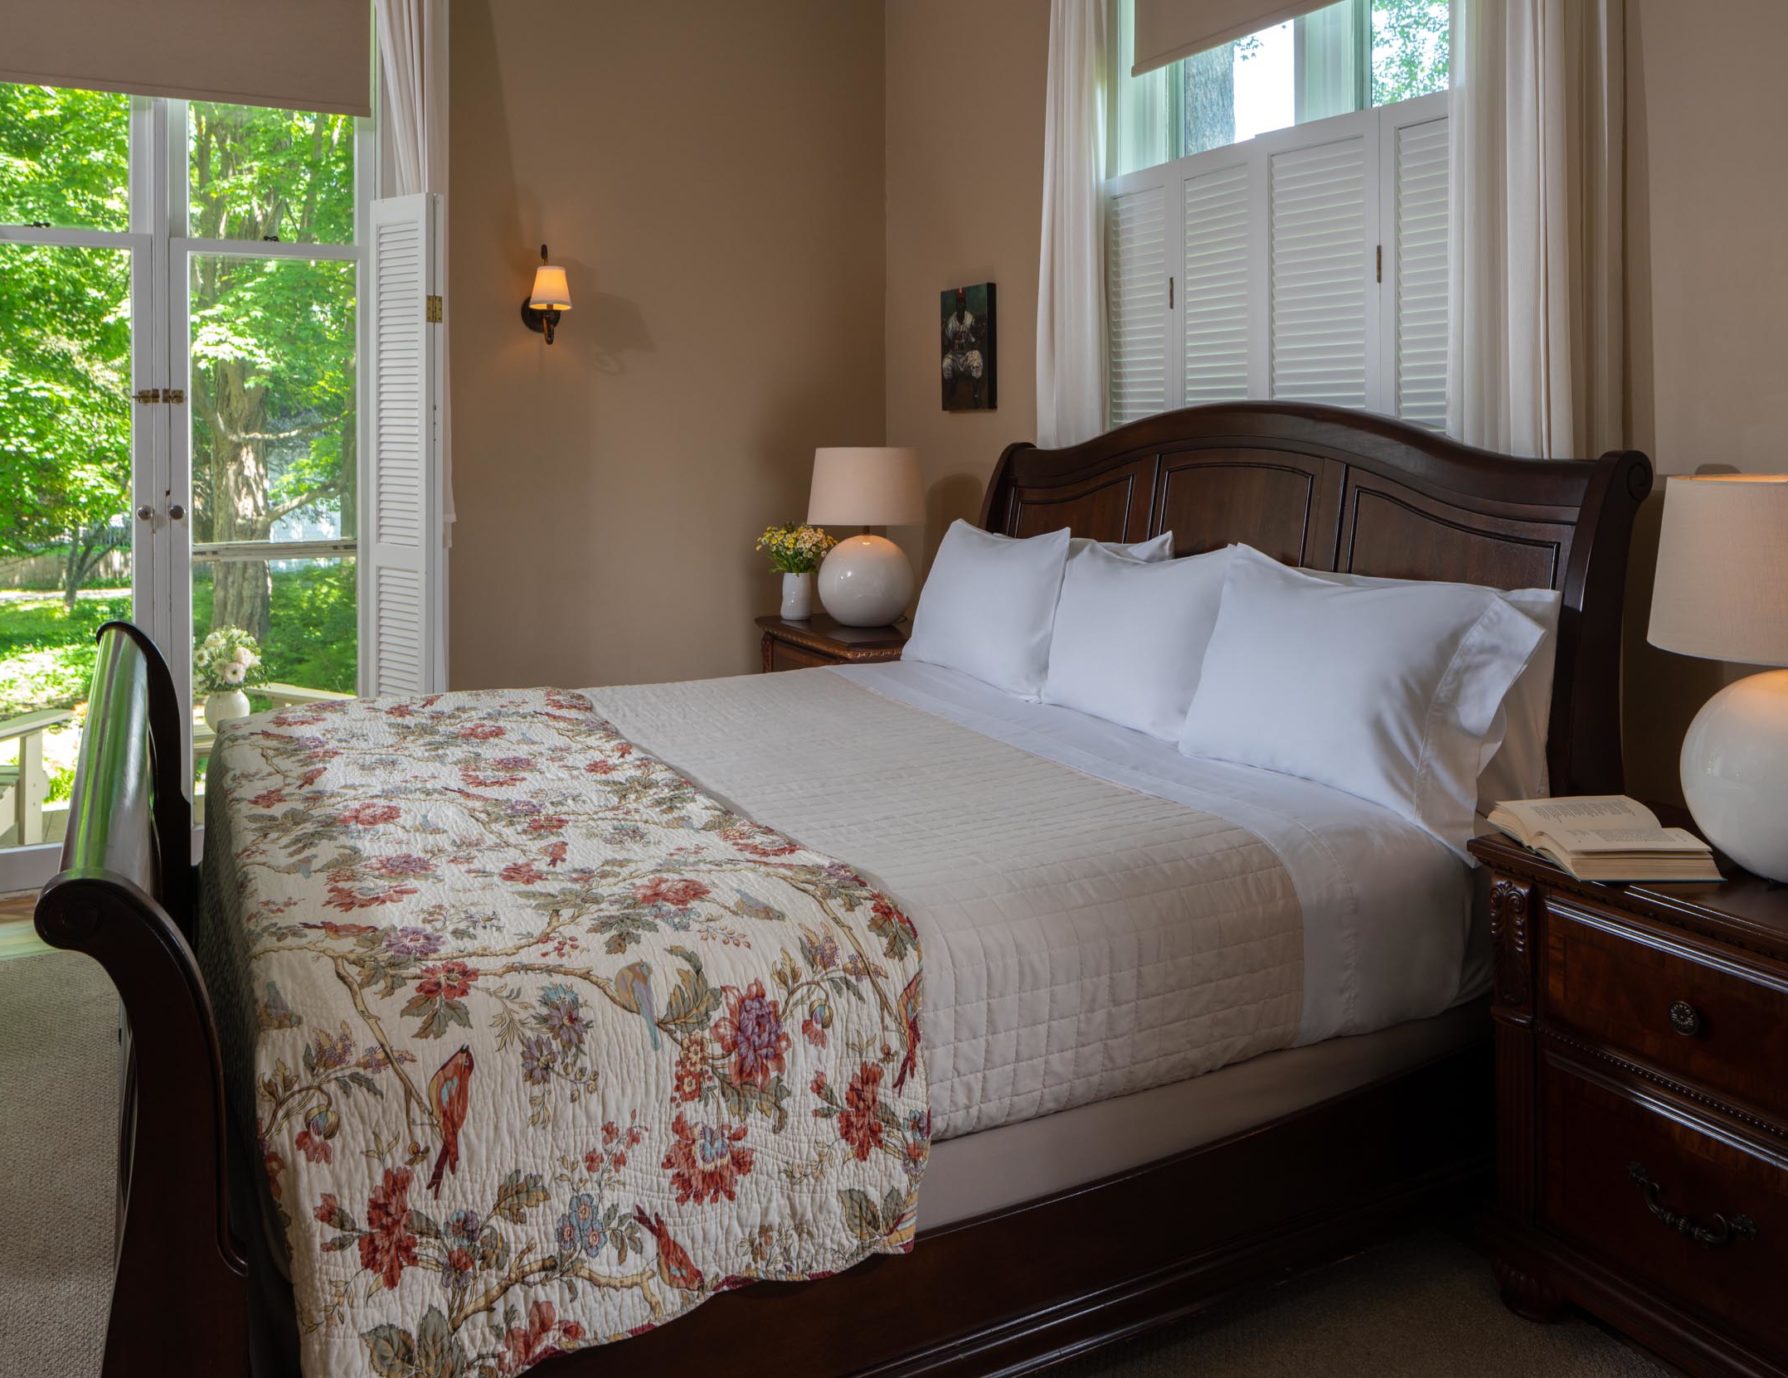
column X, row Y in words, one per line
column 1606, row 837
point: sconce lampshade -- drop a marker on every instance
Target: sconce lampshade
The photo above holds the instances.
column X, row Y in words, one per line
column 551, row 291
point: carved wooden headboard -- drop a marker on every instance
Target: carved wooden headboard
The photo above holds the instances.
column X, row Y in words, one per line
column 1331, row 489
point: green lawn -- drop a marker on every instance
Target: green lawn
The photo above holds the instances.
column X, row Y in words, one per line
column 46, row 650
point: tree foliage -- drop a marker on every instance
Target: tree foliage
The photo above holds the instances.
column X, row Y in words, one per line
column 271, row 391
column 64, row 327
column 1410, row 48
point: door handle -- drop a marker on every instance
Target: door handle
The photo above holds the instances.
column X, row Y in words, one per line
column 176, row 512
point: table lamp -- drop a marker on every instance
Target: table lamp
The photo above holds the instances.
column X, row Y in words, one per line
column 866, row 580
column 1722, row 593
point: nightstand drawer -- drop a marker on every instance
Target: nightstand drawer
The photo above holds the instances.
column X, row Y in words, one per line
column 1697, row 1216
column 1710, row 1020
column 786, row 657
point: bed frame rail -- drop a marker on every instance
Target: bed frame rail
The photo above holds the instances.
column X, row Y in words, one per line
column 124, row 896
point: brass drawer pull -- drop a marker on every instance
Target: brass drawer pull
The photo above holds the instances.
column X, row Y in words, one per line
column 1685, row 1019
column 1722, row 1231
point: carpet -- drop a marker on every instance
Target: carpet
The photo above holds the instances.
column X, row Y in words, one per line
column 58, row 1087
column 1424, row 1305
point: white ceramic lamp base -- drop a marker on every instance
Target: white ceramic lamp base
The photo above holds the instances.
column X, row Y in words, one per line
column 865, row 581
column 1735, row 772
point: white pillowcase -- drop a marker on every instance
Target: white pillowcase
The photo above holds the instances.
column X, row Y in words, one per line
column 1153, row 550
column 1388, row 691
column 988, row 607
column 1130, row 637
column 1518, row 770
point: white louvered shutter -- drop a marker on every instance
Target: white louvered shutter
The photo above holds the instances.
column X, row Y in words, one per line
column 402, row 602
column 1318, row 290
column 1420, row 304
column 1215, row 286
column 1136, row 304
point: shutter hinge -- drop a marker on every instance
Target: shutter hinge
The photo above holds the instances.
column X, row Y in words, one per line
column 1170, row 294
column 434, row 309
column 1381, row 263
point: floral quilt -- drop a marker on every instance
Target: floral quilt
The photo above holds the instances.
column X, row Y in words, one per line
column 547, row 1046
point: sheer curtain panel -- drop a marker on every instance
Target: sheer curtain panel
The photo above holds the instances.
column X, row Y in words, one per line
column 1536, row 359
column 413, row 108
column 1071, row 275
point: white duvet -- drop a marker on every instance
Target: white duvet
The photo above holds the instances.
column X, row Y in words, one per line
column 1099, row 914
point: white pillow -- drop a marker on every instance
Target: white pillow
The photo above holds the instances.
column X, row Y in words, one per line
column 1518, row 770
column 1130, row 637
column 988, row 607
column 1154, row 549
column 1387, row 691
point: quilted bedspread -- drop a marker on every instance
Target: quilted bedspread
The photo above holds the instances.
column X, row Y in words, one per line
column 546, row 1045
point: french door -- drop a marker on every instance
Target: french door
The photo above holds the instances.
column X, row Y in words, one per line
column 181, row 435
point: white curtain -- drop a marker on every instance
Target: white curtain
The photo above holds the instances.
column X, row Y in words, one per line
column 1071, row 275
column 1536, row 365
column 413, row 140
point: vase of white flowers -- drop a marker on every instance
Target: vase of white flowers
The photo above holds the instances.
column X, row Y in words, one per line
column 796, row 550
column 226, row 663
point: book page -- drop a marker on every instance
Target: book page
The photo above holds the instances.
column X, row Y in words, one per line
column 1583, row 814
column 1589, row 841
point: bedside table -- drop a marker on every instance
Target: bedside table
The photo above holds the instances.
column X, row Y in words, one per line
column 821, row 641
column 1642, row 1107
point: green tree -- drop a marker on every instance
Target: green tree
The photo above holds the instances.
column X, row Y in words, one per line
column 273, row 338
column 1411, row 42
column 64, row 329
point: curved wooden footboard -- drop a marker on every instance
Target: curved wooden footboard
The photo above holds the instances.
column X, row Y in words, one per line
column 124, row 897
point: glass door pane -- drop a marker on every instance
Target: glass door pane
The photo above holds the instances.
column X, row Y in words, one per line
column 274, row 459
column 66, row 528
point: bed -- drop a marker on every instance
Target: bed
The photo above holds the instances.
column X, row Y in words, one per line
column 1114, row 1142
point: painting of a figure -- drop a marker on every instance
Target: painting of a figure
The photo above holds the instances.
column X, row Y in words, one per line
column 967, row 340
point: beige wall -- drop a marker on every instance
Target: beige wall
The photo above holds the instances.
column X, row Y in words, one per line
column 1708, row 299
column 965, row 192
column 710, row 174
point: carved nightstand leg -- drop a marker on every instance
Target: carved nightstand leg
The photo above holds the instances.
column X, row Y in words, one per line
column 1528, row 1296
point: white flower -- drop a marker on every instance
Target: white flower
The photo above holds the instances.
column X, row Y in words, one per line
column 234, row 673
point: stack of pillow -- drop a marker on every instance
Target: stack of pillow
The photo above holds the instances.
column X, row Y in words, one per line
column 1431, row 699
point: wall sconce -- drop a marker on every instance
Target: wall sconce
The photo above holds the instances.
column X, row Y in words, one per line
column 550, row 298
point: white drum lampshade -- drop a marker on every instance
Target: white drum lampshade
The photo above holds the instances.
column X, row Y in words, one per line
column 866, row 580
column 1721, row 593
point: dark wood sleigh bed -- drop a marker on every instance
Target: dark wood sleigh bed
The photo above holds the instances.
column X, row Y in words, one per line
column 1021, row 1288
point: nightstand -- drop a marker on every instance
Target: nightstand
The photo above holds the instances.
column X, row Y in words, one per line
column 821, row 641
column 1642, row 1107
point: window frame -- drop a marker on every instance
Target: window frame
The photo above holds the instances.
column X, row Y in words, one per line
column 158, row 170
column 1378, row 129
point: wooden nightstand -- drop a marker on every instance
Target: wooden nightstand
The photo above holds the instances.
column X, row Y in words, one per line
column 821, row 641
column 1642, row 1107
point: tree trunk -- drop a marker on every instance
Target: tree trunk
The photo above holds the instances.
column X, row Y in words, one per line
column 242, row 589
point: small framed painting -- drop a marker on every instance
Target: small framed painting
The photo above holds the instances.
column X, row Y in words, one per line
column 967, row 337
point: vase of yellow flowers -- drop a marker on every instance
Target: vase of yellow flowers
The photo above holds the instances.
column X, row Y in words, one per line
column 796, row 550
column 226, row 663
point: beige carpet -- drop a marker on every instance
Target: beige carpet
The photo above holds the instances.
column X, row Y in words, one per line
column 1425, row 1305
column 58, row 1090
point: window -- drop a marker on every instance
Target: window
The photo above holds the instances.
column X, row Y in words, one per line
column 1278, row 223
column 179, row 359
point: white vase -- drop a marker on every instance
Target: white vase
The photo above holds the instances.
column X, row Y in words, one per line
column 797, row 597
column 226, row 705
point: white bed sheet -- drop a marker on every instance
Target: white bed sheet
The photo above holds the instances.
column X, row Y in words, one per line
column 1386, row 906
